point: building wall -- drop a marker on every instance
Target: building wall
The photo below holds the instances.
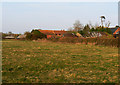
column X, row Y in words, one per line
column 49, row 36
column 55, row 35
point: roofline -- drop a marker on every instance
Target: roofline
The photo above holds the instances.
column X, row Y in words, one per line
column 53, row 30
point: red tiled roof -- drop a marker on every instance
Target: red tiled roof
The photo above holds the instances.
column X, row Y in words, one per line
column 117, row 30
column 47, row 31
column 52, row 31
column 59, row 31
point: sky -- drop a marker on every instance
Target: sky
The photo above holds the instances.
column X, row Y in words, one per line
column 59, row 0
column 19, row 17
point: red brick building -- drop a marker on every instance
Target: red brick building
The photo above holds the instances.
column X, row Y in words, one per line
column 53, row 33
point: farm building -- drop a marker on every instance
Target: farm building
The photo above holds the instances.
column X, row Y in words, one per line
column 115, row 31
column 21, row 37
column 9, row 37
column 57, row 33
column 97, row 34
column 49, row 33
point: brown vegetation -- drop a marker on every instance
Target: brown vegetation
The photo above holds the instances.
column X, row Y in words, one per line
column 94, row 41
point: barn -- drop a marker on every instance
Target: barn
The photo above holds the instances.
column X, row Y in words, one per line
column 53, row 33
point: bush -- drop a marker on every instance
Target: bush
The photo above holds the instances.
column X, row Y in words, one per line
column 37, row 34
column 28, row 36
column 34, row 35
column 3, row 35
column 81, row 32
column 108, row 30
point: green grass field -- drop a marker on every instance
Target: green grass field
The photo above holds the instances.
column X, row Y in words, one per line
column 50, row 62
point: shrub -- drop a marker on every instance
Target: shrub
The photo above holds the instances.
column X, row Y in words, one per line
column 28, row 36
column 108, row 31
column 37, row 34
column 3, row 35
column 81, row 32
column 97, row 41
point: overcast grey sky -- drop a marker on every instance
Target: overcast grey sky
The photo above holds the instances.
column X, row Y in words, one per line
column 19, row 17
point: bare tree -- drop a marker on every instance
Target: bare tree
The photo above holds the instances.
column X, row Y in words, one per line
column 90, row 24
column 96, row 25
column 25, row 33
column 77, row 26
column 10, row 33
column 107, row 24
column 70, row 29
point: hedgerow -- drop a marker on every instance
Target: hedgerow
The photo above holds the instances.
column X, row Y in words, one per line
column 97, row 41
